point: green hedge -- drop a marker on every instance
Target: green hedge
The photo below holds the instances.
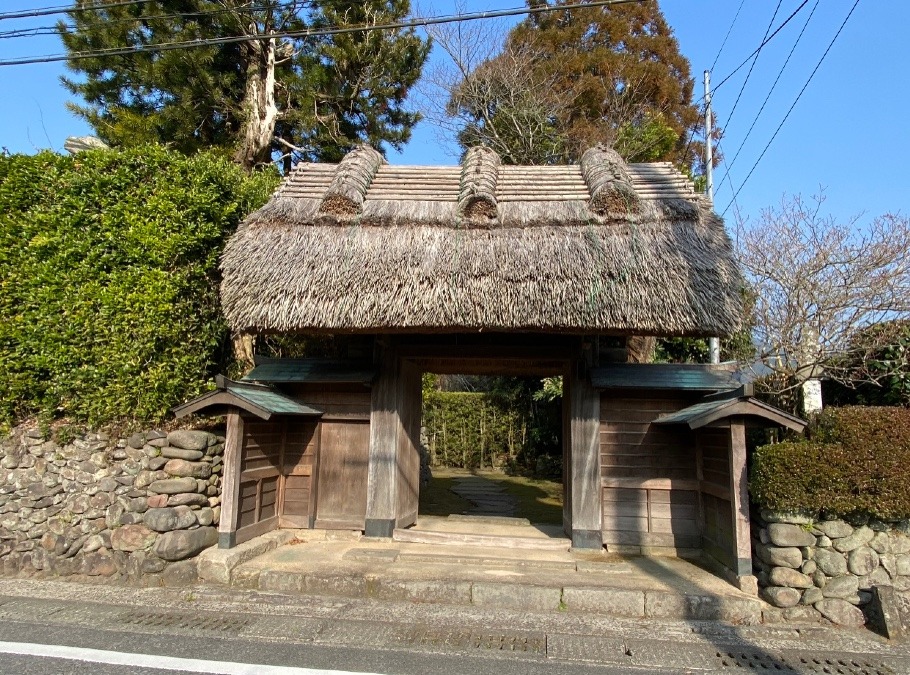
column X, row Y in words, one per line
column 465, row 429
column 108, row 279
column 855, row 461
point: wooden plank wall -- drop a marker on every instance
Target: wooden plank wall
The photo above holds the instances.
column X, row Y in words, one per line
column 648, row 474
column 341, row 500
column 344, row 443
column 298, row 467
column 718, row 535
column 276, row 475
column 260, row 473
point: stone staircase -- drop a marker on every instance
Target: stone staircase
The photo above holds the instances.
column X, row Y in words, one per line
column 484, row 531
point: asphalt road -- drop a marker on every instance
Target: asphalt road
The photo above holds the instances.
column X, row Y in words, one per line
column 142, row 654
column 50, row 627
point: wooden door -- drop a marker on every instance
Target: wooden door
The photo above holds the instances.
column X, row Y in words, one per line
column 341, row 499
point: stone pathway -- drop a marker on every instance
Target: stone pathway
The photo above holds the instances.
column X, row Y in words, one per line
column 488, row 497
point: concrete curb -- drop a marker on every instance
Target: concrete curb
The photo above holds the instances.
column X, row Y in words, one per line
column 613, row 602
column 359, row 574
column 215, row 565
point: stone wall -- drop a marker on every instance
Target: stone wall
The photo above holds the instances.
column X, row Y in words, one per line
column 826, row 568
column 133, row 507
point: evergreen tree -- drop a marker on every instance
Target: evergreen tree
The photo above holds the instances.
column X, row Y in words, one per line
column 609, row 75
column 318, row 96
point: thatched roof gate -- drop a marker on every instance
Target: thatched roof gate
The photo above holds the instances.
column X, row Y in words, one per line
column 600, row 247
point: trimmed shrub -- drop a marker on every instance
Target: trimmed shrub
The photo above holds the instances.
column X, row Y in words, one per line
column 109, row 282
column 855, row 462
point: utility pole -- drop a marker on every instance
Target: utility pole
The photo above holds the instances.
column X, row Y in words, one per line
column 713, row 343
column 709, row 131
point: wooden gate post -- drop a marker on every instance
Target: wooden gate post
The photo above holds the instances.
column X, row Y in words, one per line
column 584, row 461
column 385, row 426
column 230, row 490
column 739, row 498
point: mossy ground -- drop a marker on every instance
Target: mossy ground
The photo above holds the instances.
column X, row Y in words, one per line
column 539, row 500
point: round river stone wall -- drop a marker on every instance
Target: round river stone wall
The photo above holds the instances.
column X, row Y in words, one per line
column 132, row 507
column 814, row 568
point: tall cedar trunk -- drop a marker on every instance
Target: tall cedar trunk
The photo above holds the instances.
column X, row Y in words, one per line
column 260, row 109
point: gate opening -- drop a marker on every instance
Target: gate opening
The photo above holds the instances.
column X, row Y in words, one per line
column 492, row 449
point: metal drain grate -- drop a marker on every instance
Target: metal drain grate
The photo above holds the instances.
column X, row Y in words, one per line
column 454, row 638
column 769, row 663
column 25, row 609
column 185, row 621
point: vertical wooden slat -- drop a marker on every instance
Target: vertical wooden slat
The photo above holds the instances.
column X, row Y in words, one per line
column 566, row 453
column 385, row 426
column 230, row 491
column 314, row 476
column 648, row 499
column 258, row 502
column 282, row 469
column 700, row 476
column 584, row 431
column 739, row 496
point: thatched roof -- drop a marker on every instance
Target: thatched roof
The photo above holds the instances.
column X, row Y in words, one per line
column 599, row 247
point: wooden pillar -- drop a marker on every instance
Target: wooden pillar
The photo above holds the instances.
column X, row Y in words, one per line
column 739, row 498
column 385, row 427
column 567, row 452
column 584, row 460
column 408, row 469
column 230, row 476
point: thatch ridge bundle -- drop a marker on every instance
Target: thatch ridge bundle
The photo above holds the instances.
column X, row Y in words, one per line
column 412, row 261
column 347, row 192
column 609, row 181
column 479, row 174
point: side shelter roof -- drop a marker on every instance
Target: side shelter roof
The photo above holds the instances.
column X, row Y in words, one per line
column 259, row 400
column 598, row 247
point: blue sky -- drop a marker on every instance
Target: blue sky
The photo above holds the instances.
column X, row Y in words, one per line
column 847, row 134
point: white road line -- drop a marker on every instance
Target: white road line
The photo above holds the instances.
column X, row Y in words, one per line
column 159, row 662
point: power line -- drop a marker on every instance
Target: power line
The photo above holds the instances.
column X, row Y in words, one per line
column 55, row 30
column 727, row 36
column 759, row 48
column 745, row 61
column 728, row 177
column 798, row 97
column 414, row 23
column 771, row 91
column 754, row 61
column 64, row 9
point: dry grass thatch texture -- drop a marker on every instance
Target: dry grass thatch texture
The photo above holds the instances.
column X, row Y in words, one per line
column 601, row 247
column 667, row 278
column 609, row 182
column 347, row 191
column 477, row 196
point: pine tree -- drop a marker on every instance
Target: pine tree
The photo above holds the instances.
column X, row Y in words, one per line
column 610, row 74
column 319, row 95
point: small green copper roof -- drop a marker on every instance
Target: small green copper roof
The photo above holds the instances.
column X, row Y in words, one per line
column 311, row 370
column 259, row 400
column 268, row 399
column 681, row 376
column 707, row 412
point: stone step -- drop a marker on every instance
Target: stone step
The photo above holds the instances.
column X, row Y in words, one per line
column 494, row 541
column 491, row 520
column 486, row 561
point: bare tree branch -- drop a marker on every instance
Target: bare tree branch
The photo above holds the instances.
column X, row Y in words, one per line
column 820, row 286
